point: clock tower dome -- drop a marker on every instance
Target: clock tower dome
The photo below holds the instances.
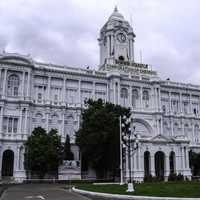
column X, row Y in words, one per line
column 116, row 40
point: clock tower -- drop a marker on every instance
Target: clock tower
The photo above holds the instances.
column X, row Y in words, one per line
column 116, row 40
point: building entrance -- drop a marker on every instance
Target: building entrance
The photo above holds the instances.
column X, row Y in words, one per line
column 160, row 165
column 7, row 163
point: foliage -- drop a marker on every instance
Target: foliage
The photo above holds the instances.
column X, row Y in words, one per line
column 98, row 137
column 44, row 151
column 172, row 177
column 175, row 177
column 68, row 155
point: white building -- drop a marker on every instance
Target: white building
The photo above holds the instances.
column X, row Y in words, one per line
column 166, row 114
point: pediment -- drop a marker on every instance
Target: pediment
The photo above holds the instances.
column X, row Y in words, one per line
column 16, row 59
column 162, row 138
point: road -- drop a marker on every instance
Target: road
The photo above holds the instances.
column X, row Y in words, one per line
column 40, row 192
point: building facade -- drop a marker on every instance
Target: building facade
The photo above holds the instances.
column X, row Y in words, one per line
column 166, row 114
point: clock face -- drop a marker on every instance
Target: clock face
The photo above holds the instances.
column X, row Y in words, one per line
column 121, row 37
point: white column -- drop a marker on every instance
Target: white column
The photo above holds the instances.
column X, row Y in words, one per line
column 49, row 89
column 159, row 104
column 141, row 101
column 193, row 134
column 161, row 125
column 172, row 126
column 0, row 78
column 183, row 158
column 28, row 86
column 154, row 99
column 107, row 92
column 19, row 159
column 190, row 104
column 63, row 124
column 187, row 158
column 16, row 158
column 130, row 50
column 12, row 125
column 1, row 119
column 130, row 96
column 93, row 90
column 167, row 168
column 170, row 102
column 4, row 82
column 182, row 127
column 25, row 122
column 108, row 45
column 139, row 159
column 20, row 122
column 152, row 165
column 64, row 91
column 181, row 104
column 23, row 81
column 47, row 121
column 119, row 90
column 114, row 92
column 1, row 157
column 112, row 44
column 79, row 92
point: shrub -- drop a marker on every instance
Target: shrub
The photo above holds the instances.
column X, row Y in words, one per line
column 180, row 177
column 172, row 177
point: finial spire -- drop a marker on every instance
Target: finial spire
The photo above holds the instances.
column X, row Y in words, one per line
column 116, row 9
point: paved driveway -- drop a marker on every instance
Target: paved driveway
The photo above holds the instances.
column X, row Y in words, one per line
column 40, row 192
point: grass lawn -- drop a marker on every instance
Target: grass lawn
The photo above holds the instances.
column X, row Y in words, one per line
column 160, row 189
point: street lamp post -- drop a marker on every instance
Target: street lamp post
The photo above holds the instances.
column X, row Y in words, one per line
column 128, row 137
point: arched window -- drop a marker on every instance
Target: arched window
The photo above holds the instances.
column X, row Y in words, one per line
column 135, row 97
column 145, row 95
column 176, row 128
column 13, row 85
column 124, row 93
column 39, row 120
column 124, row 96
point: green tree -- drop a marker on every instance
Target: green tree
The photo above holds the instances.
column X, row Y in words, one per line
column 98, row 137
column 68, row 155
column 43, row 151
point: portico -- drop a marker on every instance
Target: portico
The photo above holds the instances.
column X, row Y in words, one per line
column 159, row 156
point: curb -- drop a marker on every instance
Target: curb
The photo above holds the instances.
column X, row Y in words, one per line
column 127, row 197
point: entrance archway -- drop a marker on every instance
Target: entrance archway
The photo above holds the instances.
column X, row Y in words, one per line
column 7, row 163
column 172, row 162
column 146, row 164
column 160, row 164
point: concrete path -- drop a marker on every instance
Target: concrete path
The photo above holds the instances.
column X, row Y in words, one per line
column 40, row 192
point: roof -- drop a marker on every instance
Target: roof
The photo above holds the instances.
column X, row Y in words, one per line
column 116, row 15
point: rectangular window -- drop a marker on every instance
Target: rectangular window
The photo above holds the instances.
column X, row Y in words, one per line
column 15, row 125
column 39, row 97
column 5, row 120
column 55, row 99
column 15, row 91
column 10, row 125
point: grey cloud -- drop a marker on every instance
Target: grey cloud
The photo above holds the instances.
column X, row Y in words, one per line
column 66, row 32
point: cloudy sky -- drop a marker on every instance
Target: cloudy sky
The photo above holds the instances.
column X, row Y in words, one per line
column 66, row 32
